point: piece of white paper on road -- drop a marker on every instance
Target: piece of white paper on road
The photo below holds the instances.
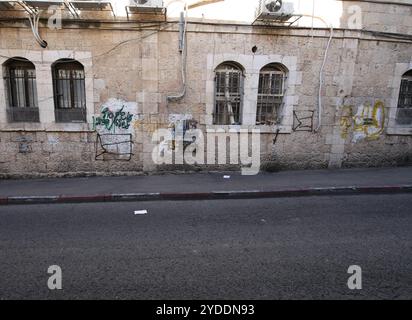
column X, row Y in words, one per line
column 140, row 212
column 226, row 177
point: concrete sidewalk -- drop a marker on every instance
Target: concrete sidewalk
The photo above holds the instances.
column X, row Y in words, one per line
column 206, row 186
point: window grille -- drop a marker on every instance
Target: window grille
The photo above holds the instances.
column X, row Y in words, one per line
column 69, row 91
column 270, row 95
column 228, row 95
column 404, row 115
column 21, row 89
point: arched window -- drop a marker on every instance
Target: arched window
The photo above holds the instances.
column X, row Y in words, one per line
column 404, row 115
column 270, row 94
column 69, row 91
column 20, row 84
column 228, row 94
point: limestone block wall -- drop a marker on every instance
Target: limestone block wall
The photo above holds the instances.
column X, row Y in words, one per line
column 361, row 74
column 136, row 69
column 50, row 148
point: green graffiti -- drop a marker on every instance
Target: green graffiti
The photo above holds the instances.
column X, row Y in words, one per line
column 111, row 120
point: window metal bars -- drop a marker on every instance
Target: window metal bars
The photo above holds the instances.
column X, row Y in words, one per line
column 20, row 82
column 69, row 93
column 228, row 96
column 22, row 88
column 270, row 96
column 404, row 114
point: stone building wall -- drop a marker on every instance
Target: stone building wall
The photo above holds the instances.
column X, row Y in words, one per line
column 135, row 68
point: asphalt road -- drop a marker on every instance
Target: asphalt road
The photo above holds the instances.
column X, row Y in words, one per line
column 292, row 248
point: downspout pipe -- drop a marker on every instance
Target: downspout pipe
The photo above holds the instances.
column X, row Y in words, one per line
column 34, row 24
column 321, row 73
column 183, row 52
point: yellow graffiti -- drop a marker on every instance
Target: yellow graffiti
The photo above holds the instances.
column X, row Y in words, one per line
column 368, row 123
column 346, row 121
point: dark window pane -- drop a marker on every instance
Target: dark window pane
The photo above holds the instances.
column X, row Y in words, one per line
column 21, row 89
column 270, row 95
column 228, row 82
column 69, row 90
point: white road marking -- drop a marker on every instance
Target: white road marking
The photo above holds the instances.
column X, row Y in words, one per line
column 226, row 177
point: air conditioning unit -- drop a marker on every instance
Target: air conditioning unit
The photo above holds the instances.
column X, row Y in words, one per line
column 150, row 7
column 147, row 3
column 274, row 10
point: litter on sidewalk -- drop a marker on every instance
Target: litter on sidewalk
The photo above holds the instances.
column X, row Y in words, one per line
column 140, row 212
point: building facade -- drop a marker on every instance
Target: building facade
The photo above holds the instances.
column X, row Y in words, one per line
column 332, row 90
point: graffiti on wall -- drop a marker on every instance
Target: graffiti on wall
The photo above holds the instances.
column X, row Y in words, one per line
column 25, row 144
column 112, row 120
column 346, row 121
column 367, row 123
column 114, row 147
column 115, row 131
column 303, row 121
column 179, row 124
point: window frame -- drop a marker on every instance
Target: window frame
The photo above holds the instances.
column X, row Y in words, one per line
column 252, row 64
column 393, row 126
column 401, row 106
column 272, row 70
column 228, row 68
column 21, row 87
column 69, row 113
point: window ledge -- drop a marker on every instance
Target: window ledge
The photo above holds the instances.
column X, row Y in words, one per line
column 52, row 127
column 262, row 128
column 400, row 130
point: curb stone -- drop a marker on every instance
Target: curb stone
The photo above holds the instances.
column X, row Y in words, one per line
column 213, row 195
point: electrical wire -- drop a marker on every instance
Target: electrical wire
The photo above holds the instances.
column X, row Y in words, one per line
column 101, row 54
column 34, row 19
column 69, row 60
